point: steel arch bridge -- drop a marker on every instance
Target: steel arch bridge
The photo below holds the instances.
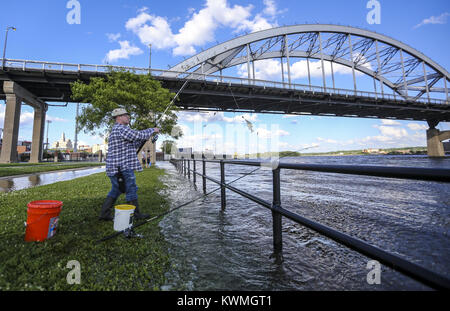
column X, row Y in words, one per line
column 389, row 62
column 419, row 85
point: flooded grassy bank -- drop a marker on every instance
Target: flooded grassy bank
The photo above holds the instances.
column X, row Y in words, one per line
column 117, row 264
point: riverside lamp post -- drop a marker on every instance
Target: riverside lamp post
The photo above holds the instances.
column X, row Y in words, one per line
column 4, row 47
column 48, row 125
column 150, row 60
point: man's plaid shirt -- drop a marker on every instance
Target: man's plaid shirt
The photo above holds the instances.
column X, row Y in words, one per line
column 122, row 145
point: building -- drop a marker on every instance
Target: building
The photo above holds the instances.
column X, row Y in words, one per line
column 102, row 147
column 86, row 148
column 371, row 150
column 446, row 146
column 184, row 152
column 63, row 144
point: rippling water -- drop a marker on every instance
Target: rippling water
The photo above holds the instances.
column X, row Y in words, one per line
column 231, row 249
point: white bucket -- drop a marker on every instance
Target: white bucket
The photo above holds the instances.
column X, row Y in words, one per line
column 123, row 217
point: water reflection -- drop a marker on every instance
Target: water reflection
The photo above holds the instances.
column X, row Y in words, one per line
column 34, row 180
column 6, row 184
column 12, row 183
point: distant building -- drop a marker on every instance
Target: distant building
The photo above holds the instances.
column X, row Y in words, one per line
column 370, row 150
column 84, row 148
column 102, row 147
column 23, row 146
column 63, row 143
column 446, row 146
column 184, row 152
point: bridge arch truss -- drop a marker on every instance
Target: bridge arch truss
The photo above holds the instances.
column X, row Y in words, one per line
column 394, row 66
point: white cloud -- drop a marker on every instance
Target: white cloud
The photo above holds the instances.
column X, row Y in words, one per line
column 392, row 132
column 389, row 122
column 241, row 118
column 203, row 117
column 200, row 28
column 269, row 69
column 26, row 118
column 441, row 19
column 264, row 133
column 417, row 127
column 56, row 119
column 329, row 141
column 257, row 24
column 124, row 52
column 113, row 37
column 207, row 117
column 270, row 7
column 158, row 33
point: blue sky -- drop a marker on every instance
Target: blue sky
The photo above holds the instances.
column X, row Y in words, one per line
column 117, row 32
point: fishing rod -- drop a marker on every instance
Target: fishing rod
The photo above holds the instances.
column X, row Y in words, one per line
column 129, row 232
column 155, row 137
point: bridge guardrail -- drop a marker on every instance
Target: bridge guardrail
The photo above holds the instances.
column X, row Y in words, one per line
column 71, row 68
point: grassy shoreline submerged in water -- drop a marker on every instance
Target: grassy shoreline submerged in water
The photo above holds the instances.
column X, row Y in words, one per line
column 14, row 169
column 117, row 264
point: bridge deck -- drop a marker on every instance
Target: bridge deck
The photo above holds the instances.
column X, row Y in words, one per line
column 238, row 95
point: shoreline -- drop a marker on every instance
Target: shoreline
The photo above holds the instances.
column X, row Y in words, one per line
column 49, row 171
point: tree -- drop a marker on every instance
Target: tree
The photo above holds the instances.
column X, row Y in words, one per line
column 142, row 97
column 168, row 146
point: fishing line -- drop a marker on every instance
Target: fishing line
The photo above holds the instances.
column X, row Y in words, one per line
column 249, row 124
column 155, row 137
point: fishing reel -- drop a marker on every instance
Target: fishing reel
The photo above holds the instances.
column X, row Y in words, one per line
column 129, row 233
column 154, row 138
column 121, row 181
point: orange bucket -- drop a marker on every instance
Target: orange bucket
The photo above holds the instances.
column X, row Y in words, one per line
column 42, row 219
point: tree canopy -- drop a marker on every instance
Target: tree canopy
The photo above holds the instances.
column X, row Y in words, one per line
column 140, row 95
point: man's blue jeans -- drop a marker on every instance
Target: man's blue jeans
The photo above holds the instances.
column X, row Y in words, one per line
column 130, row 186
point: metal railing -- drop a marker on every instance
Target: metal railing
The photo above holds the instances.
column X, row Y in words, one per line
column 395, row 262
column 56, row 67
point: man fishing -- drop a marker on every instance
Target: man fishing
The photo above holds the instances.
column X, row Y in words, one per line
column 122, row 161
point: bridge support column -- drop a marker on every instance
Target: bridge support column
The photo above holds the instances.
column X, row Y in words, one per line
column 435, row 148
column 11, row 129
column 38, row 135
column 15, row 94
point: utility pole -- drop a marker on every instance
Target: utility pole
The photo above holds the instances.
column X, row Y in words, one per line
column 150, row 60
column 75, row 145
column 48, row 125
column 4, row 47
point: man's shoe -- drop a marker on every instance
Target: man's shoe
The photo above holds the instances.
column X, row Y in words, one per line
column 137, row 212
column 105, row 213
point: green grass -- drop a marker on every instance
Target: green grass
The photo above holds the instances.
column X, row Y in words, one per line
column 117, row 264
column 25, row 168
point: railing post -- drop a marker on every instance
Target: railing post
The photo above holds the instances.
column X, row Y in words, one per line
column 204, row 178
column 195, row 172
column 277, row 233
column 182, row 165
column 222, row 183
column 189, row 168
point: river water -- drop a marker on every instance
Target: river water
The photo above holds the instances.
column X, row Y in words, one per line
column 213, row 249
